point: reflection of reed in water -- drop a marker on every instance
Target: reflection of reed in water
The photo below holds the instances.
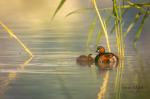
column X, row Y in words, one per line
column 106, row 78
column 4, row 82
column 120, row 46
column 118, row 13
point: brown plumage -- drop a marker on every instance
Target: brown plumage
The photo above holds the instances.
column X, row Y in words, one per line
column 105, row 60
column 84, row 60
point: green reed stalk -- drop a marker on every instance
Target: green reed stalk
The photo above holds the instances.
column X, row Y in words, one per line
column 99, row 35
column 102, row 24
column 58, row 8
column 138, row 33
column 132, row 24
column 120, row 42
column 91, row 31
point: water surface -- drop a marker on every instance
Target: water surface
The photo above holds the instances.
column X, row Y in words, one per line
column 53, row 73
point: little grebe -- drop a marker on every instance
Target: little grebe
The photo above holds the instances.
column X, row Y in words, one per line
column 105, row 60
column 84, row 60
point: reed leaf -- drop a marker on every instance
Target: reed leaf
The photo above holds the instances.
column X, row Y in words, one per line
column 99, row 35
column 12, row 34
column 58, row 8
column 120, row 45
column 138, row 33
column 113, row 28
column 102, row 24
column 140, row 6
column 91, row 31
column 143, row 4
column 81, row 10
column 132, row 24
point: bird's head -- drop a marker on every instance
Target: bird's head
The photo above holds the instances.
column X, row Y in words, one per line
column 100, row 49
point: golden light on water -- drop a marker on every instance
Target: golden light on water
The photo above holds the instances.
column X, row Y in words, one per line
column 12, row 75
column 103, row 88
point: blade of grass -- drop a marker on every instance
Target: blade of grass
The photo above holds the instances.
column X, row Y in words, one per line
column 113, row 28
column 103, row 88
column 122, row 7
column 11, row 33
column 102, row 24
column 99, row 35
column 58, row 8
column 138, row 6
column 81, row 10
column 120, row 45
column 132, row 24
column 78, row 11
column 91, row 31
column 143, row 4
column 138, row 33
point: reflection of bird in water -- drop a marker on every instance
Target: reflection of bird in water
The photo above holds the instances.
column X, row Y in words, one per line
column 84, row 60
column 105, row 60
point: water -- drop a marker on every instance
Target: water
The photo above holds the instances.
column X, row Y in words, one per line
column 53, row 73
